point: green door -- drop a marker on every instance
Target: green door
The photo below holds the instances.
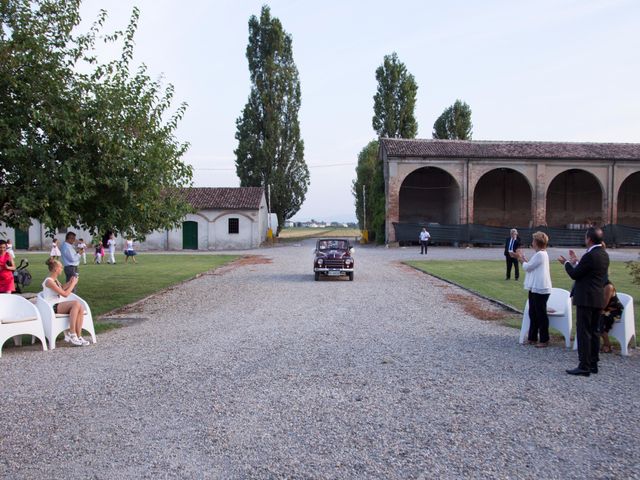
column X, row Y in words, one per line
column 190, row 235
column 22, row 239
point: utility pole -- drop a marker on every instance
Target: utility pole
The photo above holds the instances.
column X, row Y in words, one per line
column 364, row 208
column 269, row 230
column 365, row 232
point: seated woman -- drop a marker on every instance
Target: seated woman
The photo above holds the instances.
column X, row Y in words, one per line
column 55, row 294
column 611, row 313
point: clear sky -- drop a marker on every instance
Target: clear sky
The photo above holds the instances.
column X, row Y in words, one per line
column 556, row 70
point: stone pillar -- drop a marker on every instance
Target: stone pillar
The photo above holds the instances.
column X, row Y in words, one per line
column 393, row 200
column 470, row 187
column 539, row 201
column 611, row 213
column 464, row 193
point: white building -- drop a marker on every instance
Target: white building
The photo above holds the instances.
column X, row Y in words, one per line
column 225, row 219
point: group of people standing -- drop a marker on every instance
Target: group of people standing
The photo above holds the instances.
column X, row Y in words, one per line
column 593, row 294
column 81, row 249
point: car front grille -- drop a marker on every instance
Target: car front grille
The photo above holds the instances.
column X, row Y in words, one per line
column 333, row 263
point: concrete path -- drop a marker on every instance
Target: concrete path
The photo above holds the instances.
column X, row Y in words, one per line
column 261, row 372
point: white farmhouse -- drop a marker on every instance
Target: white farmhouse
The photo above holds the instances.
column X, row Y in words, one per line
column 225, row 219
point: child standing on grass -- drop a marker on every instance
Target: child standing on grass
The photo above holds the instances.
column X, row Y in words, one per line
column 55, row 250
column 111, row 243
column 10, row 251
column 82, row 250
column 129, row 252
column 99, row 253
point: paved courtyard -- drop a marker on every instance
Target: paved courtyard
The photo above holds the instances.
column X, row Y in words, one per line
column 261, row 372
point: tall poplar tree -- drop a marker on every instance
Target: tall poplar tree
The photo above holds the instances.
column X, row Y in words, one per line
column 393, row 107
column 454, row 123
column 270, row 151
column 395, row 100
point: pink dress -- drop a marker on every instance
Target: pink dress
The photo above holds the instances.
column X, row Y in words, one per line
column 6, row 276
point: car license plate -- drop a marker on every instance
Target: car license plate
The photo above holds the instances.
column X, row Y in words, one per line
column 333, row 273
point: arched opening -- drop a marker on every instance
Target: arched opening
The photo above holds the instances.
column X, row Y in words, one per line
column 574, row 199
column 629, row 201
column 430, row 195
column 502, row 198
column 190, row 235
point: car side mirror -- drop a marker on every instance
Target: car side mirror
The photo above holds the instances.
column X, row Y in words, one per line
column 352, row 250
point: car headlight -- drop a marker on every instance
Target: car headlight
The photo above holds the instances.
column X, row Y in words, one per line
column 320, row 261
column 348, row 261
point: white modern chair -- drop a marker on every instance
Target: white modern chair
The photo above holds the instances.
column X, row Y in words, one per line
column 559, row 312
column 625, row 329
column 54, row 323
column 18, row 316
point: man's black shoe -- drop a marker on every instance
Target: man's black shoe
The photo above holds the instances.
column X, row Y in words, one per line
column 579, row 371
column 594, row 369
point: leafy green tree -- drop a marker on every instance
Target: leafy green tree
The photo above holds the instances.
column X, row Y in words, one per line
column 270, row 151
column 365, row 172
column 395, row 100
column 93, row 150
column 454, row 123
column 393, row 107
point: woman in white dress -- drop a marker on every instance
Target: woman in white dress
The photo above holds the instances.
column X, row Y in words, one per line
column 55, row 294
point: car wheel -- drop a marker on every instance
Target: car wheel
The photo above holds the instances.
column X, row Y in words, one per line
column 351, row 276
column 317, row 276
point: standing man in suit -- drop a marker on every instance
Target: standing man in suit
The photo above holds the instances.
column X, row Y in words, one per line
column 511, row 245
column 589, row 274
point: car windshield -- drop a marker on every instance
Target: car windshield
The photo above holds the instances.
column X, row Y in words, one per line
column 333, row 245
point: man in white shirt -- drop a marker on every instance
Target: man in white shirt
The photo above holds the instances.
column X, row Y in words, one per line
column 424, row 240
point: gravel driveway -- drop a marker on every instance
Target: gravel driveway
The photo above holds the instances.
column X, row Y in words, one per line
column 261, row 372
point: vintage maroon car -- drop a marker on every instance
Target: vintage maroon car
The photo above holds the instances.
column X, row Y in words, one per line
column 333, row 258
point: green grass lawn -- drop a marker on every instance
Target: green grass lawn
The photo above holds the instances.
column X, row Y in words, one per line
column 106, row 287
column 487, row 278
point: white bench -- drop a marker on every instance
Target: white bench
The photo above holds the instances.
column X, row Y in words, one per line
column 55, row 323
column 559, row 312
column 625, row 329
column 18, row 316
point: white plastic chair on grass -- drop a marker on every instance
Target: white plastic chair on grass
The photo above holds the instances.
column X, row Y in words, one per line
column 55, row 323
column 625, row 329
column 559, row 312
column 18, row 316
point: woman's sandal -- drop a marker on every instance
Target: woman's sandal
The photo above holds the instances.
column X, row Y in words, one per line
column 542, row 345
column 606, row 349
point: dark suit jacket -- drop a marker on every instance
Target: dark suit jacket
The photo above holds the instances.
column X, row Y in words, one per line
column 589, row 274
column 516, row 245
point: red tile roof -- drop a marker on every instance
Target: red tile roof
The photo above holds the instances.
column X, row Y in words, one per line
column 397, row 147
column 239, row 198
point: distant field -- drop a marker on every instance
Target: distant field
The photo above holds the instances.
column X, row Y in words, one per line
column 299, row 233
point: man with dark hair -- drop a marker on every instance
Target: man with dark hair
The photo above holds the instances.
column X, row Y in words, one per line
column 589, row 273
column 70, row 258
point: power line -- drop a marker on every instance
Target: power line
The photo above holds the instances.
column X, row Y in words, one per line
column 229, row 169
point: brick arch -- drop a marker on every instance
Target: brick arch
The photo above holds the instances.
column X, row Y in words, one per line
column 502, row 197
column 575, row 196
column 429, row 194
column 628, row 200
column 451, row 169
